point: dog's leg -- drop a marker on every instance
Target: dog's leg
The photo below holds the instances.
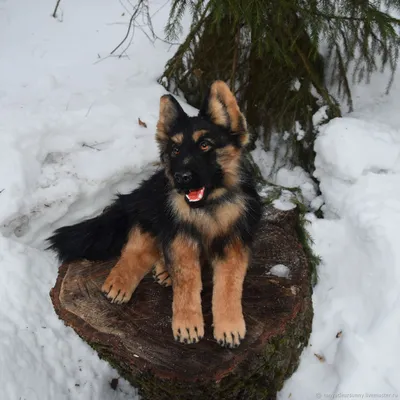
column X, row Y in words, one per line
column 187, row 316
column 137, row 257
column 161, row 274
column 229, row 274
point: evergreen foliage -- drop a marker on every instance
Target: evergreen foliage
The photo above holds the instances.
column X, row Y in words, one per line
column 274, row 192
column 273, row 54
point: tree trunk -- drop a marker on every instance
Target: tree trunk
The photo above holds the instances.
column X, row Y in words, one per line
column 136, row 338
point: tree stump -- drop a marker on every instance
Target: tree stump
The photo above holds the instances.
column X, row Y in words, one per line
column 136, row 338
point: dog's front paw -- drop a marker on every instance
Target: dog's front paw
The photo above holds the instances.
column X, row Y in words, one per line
column 161, row 275
column 118, row 288
column 187, row 327
column 229, row 330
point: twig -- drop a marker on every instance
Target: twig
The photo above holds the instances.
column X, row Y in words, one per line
column 88, row 111
column 2, row 190
column 126, row 36
column 145, row 33
column 56, row 8
column 166, row 41
column 157, row 11
column 116, row 23
column 143, row 8
column 123, row 52
column 102, row 59
column 89, row 146
column 133, row 16
column 124, row 6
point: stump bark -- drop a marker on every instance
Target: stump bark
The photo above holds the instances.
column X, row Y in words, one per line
column 136, row 338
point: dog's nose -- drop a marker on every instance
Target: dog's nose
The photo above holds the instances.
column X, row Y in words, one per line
column 183, row 177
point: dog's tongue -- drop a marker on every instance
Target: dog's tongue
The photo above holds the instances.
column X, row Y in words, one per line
column 195, row 195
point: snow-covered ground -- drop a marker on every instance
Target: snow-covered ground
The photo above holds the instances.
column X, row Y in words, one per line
column 355, row 341
column 70, row 138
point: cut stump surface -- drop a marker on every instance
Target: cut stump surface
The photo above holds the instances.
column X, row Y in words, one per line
column 136, row 338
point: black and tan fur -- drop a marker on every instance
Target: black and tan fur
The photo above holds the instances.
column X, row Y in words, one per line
column 201, row 204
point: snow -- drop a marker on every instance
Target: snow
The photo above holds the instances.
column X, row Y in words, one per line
column 280, row 270
column 376, row 145
column 285, row 201
column 284, row 176
column 70, row 140
column 354, row 345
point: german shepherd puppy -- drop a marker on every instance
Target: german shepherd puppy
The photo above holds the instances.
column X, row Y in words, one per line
column 203, row 202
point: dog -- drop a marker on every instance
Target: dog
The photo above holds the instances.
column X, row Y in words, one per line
column 201, row 203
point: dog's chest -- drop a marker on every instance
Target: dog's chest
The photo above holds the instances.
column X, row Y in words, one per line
column 215, row 223
column 210, row 222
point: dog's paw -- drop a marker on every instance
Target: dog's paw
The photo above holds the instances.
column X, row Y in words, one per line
column 229, row 331
column 161, row 275
column 117, row 288
column 188, row 328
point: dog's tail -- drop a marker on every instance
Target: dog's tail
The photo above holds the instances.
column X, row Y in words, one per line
column 99, row 239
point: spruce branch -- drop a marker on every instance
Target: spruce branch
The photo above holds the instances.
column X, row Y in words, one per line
column 270, row 53
column 185, row 46
column 316, row 13
column 344, row 81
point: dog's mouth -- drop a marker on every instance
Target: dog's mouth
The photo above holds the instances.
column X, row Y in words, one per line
column 195, row 195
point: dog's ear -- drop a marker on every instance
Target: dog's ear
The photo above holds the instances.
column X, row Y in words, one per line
column 220, row 106
column 171, row 115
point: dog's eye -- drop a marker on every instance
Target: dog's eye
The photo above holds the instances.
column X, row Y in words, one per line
column 175, row 150
column 204, row 145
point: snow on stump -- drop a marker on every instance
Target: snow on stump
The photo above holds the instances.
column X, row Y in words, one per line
column 136, row 338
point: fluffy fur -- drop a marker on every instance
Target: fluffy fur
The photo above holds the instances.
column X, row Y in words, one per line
column 202, row 203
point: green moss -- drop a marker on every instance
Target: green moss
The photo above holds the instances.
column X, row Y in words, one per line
column 273, row 192
column 306, row 240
